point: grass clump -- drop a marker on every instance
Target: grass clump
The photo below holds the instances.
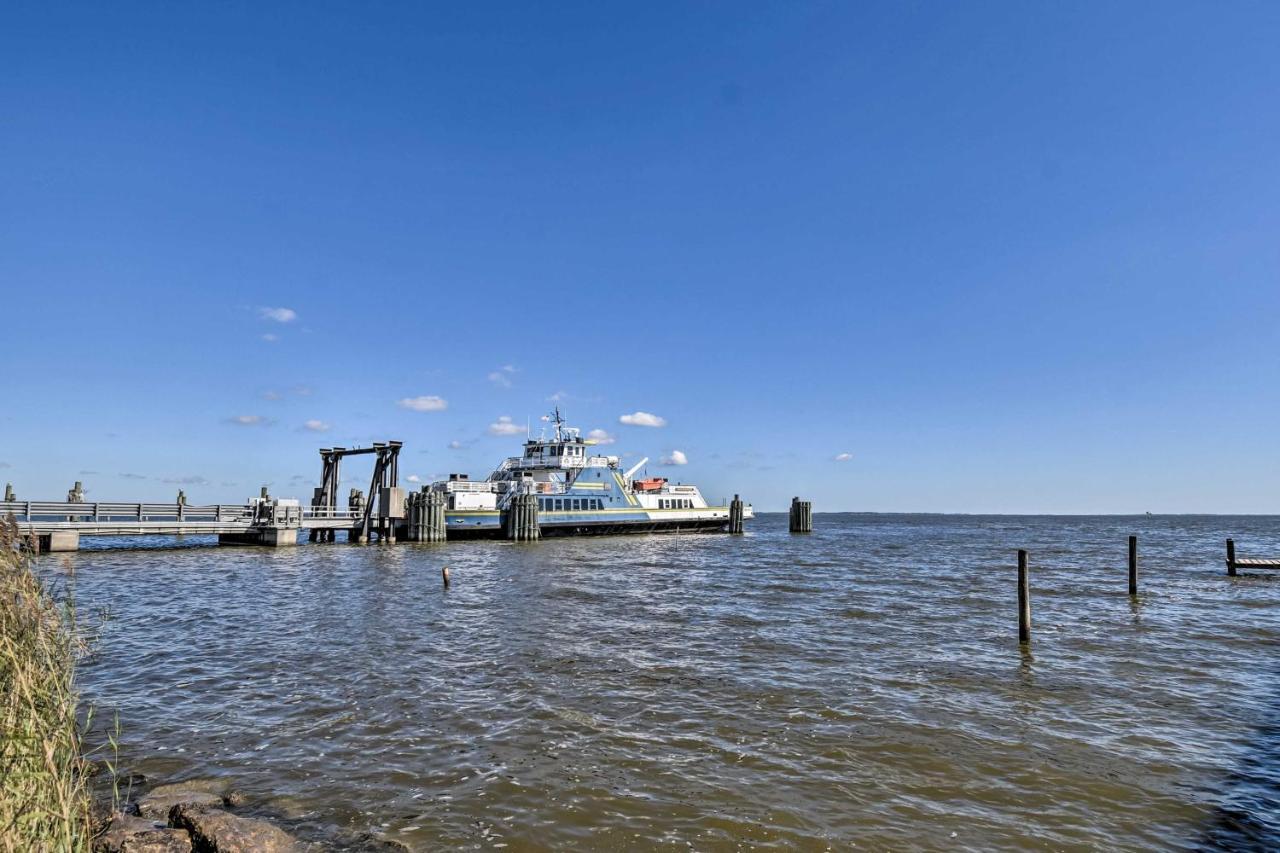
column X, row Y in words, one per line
column 44, row 794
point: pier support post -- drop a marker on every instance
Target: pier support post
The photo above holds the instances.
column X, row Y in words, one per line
column 735, row 515
column 434, row 523
column 60, row 541
column 1024, row 599
column 1231, row 557
column 1133, row 565
column 521, row 519
column 801, row 516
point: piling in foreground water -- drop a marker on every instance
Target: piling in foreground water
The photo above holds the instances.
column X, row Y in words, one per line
column 1133, row 565
column 444, row 574
column 1231, row 557
column 801, row 516
column 1024, row 600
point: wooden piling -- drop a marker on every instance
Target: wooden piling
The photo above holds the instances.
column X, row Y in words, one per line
column 801, row 516
column 1024, row 599
column 1231, row 557
column 1133, row 565
column 735, row 515
column 444, row 573
column 521, row 519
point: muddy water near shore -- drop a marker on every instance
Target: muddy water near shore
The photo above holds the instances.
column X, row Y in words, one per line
column 858, row 686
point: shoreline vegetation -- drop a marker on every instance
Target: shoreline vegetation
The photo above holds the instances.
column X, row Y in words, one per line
column 54, row 797
column 45, row 801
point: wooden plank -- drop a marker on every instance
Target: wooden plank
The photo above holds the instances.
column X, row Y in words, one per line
column 1259, row 562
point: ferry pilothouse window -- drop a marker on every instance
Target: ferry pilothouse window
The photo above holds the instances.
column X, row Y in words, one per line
column 559, row 503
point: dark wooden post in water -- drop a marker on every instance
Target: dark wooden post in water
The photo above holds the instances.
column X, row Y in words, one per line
column 1133, row 565
column 1231, row 557
column 735, row 515
column 444, row 573
column 1024, row 600
column 801, row 516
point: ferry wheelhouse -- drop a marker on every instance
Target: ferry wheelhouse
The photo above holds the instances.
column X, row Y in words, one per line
column 580, row 492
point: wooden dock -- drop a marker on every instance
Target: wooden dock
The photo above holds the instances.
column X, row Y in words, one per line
column 1234, row 562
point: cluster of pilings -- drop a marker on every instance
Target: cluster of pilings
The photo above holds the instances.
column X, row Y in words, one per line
column 426, row 516
column 520, row 521
column 735, row 515
column 801, row 516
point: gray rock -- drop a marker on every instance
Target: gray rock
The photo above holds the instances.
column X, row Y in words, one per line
column 121, row 829
column 157, row 804
column 157, row 841
column 215, row 831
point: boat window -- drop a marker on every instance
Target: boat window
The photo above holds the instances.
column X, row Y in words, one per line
column 559, row 503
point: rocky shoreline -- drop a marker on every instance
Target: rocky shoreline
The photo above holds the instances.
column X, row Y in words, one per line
column 207, row 816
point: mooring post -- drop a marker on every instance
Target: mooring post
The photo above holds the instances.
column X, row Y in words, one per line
column 1024, row 599
column 801, row 516
column 1133, row 565
column 444, row 573
column 1231, row 557
column 735, row 515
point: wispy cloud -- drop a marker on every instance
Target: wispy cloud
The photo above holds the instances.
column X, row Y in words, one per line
column 843, row 457
column 414, row 478
column 505, row 426
column 502, row 376
column 270, row 338
column 457, row 445
column 129, row 476
column 642, row 419
column 191, row 480
column 279, row 315
column 271, row 395
column 426, row 403
column 82, row 473
column 599, row 436
column 5, row 465
column 558, row 396
column 247, row 420
column 675, row 457
column 315, row 425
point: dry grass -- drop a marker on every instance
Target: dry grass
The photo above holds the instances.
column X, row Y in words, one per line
column 44, row 796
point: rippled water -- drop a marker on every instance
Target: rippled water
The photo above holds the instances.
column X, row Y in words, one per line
column 862, row 685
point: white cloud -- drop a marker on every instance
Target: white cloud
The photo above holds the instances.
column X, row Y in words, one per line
column 271, row 395
column 502, row 376
column 676, row 457
column 599, row 436
column 248, row 420
column 642, row 419
column 843, row 457
column 456, row 445
column 270, row 338
column 558, row 396
column 504, row 426
column 414, row 478
column 280, row 315
column 424, row 404
column 315, row 425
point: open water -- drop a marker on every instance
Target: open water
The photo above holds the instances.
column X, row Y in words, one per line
column 858, row 687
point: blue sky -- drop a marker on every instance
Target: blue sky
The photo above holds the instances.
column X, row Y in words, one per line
column 1009, row 257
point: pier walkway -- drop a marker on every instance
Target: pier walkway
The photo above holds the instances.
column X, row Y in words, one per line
column 58, row 525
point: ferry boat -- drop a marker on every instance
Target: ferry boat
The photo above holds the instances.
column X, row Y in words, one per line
column 580, row 492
